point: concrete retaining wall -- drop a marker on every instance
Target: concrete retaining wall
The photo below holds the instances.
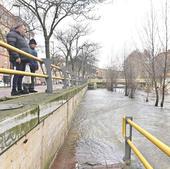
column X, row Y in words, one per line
column 37, row 149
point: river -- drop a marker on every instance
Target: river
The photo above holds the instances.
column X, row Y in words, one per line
column 95, row 137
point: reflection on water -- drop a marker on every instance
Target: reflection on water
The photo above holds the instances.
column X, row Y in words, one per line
column 98, row 123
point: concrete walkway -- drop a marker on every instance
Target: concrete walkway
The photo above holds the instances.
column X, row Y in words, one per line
column 6, row 91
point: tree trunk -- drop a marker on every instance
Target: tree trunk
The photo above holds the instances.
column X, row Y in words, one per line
column 131, row 94
column 83, row 73
column 84, row 70
column 47, row 47
column 72, row 64
column 166, row 52
column 67, row 62
column 147, row 97
column 157, row 94
column 110, row 86
column 126, row 89
column 79, row 71
column 163, row 95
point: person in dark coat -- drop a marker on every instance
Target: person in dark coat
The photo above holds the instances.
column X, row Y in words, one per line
column 33, row 64
column 16, row 38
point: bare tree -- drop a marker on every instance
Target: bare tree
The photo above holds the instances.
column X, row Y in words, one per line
column 125, row 75
column 147, row 72
column 87, row 56
column 49, row 13
column 165, row 53
column 151, row 32
column 132, row 71
column 111, row 76
column 68, row 42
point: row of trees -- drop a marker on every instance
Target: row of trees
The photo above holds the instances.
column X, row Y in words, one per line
column 79, row 57
column 151, row 65
column 69, row 45
column 155, row 58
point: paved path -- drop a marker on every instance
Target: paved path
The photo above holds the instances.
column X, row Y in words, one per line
column 6, row 91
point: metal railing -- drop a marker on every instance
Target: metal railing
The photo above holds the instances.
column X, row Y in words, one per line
column 48, row 65
column 129, row 144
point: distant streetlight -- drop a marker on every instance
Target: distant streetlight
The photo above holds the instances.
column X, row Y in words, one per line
column 18, row 6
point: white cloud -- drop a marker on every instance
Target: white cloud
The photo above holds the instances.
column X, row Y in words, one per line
column 119, row 27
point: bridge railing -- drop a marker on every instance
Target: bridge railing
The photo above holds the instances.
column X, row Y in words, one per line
column 129, row 144
column 47, row 74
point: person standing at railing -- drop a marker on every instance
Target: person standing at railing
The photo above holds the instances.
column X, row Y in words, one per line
column 33, row 64
column 16, row 38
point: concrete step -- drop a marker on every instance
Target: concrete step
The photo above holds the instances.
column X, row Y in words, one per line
column 113, row 166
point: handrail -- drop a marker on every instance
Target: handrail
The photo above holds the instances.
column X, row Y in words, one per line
column 139, row 155
column 48, row 65
column 124, row 127
column 54, row 66
column 129, row 145
column 18, row 72
column 5, row 45
column 58, row 78
column 163, row 147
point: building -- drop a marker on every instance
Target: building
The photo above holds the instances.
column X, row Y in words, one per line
column 7, row 21
column 101, row 73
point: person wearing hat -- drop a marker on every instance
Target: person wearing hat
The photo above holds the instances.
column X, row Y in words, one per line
column 16, row 38
column 33, row 64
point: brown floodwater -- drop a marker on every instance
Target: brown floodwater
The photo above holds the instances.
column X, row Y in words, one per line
column 95, row 137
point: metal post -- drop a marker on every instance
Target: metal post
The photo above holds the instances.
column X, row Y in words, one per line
column 48, row 63
column 65, row 77
column 73, row 79
column 127, row 157
column 38, row 114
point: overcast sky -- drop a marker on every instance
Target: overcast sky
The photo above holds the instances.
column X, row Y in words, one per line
column 120, row 27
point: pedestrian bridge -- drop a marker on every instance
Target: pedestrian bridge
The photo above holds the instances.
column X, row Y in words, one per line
column 118, row 81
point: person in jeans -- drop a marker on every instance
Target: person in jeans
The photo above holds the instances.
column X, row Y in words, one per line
column 33, row 64
column 16, row 38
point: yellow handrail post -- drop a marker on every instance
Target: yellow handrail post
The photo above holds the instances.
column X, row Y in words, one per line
column 124, row 127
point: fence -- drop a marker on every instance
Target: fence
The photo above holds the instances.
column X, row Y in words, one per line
column 47, row 74
column 129, row 144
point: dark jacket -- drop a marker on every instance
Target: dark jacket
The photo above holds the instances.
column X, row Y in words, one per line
column 15, row 39
column 33, row 63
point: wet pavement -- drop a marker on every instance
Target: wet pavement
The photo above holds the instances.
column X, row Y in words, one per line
column 6, row 91
column 95, row 139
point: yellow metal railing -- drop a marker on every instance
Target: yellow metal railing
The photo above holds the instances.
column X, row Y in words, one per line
column 13, row 72
column 163, row 147
column 49, row 68
column 7, row 46
column 139, row 155
column 54, row 66
column 17, row 72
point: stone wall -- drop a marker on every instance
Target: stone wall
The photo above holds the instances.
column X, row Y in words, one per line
column 37, row 149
